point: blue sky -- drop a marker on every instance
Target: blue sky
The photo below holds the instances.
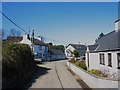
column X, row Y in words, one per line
column 64, row 22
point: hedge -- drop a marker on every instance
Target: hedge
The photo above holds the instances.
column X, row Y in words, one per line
column 17, row 61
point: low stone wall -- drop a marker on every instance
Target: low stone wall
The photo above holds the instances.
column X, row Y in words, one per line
column 92, row 81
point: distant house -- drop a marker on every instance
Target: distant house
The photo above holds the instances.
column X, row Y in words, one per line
column 71, row 47
column 105, row 53
column 56, row 54
column 40, row 49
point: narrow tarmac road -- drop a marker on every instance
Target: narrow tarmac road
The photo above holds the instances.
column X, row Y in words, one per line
column 56, row 75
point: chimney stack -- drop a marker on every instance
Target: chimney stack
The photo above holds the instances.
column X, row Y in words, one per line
column 117, row 25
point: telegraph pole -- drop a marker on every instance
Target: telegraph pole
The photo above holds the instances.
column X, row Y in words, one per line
column 32, row 40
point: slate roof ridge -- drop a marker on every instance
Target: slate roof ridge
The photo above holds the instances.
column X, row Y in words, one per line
column 38, row 42
column 78, row 46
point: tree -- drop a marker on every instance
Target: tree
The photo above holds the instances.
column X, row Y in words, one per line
column 51, row 44
column 14, row 32
column 76, row 54
column 60, row 47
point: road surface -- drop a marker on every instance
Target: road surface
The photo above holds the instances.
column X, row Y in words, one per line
column 54, row 75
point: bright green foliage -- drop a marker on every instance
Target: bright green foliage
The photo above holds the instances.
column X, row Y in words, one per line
column 76, row 54
column 81, row 64
column 95, row 72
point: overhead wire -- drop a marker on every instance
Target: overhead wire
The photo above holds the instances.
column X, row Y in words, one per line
column 28, row 32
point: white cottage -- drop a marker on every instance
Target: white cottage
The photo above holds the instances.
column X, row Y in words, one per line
column 105, row 53
column 71, row 47
column 40, row 49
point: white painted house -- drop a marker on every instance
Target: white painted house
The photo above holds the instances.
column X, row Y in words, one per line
column 40, row 49
column 105, row 53
column 26, row 40
column 71, row 47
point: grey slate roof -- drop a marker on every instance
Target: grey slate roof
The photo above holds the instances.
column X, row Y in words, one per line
column 93, row 47
column 56, row 52
column 78, row 46
column 109, row 41
column 38, row 42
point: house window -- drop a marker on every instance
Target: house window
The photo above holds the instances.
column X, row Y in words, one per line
column 102, row 59
column 118, row 59
column 39, row 55
column 40, row 47
column 109, row 59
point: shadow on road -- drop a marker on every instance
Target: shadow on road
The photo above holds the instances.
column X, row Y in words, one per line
column 57, row 60
column 40, row 71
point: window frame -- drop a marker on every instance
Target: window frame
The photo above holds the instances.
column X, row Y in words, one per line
column 110, row 59
column 102, row 58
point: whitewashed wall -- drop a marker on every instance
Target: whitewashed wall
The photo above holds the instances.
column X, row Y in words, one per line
column 41, row 49
column 71, row 49
column 38, row 48
column 93, row 60
column 94, row 63
column 26, row 41
column 92, row 81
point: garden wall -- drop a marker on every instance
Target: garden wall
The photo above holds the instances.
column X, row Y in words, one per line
column 92, row 81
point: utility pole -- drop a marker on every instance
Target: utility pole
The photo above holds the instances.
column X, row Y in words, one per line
column 32, row 40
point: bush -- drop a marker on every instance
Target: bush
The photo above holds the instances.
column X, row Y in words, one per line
column 72, row 60
column 95, row 72
column 81, row 64
column 16, row 57
column 76, row 54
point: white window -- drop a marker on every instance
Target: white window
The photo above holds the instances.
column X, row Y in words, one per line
column 109, row 59
column 102, row 59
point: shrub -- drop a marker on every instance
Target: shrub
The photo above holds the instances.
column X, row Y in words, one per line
column 72, row 60
column 17, row 59
column 97, row 72
column 81, row 64
column 76, row 54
